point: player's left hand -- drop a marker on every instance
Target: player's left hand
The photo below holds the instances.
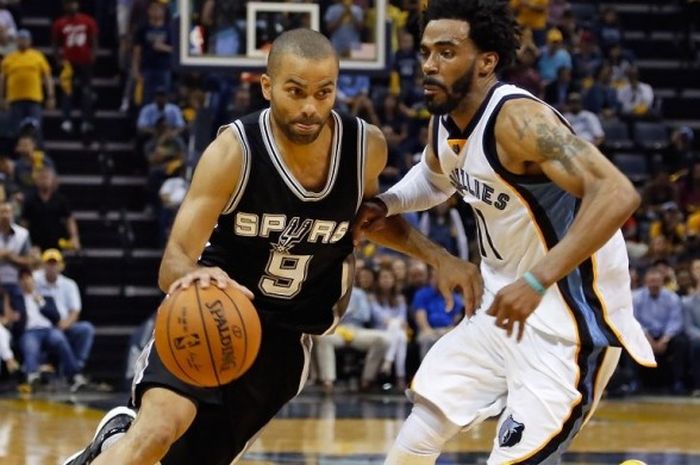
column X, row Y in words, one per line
column 369, row 218
column 513, row 304
column 451, row 273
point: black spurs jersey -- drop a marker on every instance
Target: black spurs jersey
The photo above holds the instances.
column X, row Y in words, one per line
column 283, row 242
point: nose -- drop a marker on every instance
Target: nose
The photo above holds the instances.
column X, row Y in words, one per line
column 430, row 65
column 308, row 110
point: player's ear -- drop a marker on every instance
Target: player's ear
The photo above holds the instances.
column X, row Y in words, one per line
column 486, row 63
column 266, row 85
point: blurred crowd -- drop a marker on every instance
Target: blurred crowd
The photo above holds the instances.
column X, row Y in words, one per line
column 573, row 56
column 39, row 322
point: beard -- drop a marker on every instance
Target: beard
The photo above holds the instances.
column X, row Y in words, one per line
column 291, row 133
column 453, row 96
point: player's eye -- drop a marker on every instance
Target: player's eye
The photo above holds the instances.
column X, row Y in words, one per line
column 296, row 92
column 323, row 93
column 447, row 53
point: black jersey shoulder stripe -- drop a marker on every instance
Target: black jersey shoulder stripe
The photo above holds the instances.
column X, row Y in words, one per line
column 239, row 130
column 361, row 159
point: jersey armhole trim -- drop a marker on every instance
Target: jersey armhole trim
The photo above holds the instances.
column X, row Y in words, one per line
column 489, row 143
column 237, row 195
column 436, row 134
column 361, row 160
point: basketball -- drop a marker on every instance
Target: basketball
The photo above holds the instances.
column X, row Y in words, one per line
column 207, row 337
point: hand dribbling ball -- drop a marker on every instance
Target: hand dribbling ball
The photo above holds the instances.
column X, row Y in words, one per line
column 207, row 337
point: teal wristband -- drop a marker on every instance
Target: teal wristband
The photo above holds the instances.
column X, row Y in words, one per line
column 534, row 283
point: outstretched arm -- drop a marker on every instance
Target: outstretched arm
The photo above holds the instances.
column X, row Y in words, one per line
column 423, row 187
column 397, row 234
column 529, row 133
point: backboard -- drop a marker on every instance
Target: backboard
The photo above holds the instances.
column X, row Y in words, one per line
column 226, row 34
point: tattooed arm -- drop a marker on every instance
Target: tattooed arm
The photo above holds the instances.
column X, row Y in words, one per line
column 531, row 139
column 528, row 132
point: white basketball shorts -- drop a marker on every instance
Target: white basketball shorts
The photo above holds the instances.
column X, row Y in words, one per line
column 543, row 387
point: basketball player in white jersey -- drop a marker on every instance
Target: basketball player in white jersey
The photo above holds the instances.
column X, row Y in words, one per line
column 557, row 308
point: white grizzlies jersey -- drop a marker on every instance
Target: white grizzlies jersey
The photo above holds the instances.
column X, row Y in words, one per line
column 521, row 217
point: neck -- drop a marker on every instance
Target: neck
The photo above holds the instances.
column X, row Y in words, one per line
column 5, row 227
column 467, row 108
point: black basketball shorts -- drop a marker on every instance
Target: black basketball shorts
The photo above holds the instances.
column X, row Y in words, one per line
column 229, row 417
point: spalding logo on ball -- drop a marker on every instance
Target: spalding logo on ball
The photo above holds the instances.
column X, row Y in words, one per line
column 207, row 337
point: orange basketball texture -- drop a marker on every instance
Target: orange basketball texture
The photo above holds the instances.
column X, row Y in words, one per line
column 207, row 337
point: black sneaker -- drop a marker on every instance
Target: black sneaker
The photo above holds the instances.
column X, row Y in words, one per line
column 118, row 420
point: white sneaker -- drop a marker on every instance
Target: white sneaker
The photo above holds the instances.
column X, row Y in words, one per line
column 67, row 126
column 79, row 381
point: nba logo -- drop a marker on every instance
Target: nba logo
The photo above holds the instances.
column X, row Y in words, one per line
column 186, row 341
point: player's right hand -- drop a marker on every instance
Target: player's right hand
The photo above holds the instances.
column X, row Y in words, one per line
column 209, row 275
column 452, row 273
column 370, row 217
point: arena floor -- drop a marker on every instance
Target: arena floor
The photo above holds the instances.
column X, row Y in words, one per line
column 351, row 430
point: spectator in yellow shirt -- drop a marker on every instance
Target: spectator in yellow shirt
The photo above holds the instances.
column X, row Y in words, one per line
column 22, row 74
column 532, row 14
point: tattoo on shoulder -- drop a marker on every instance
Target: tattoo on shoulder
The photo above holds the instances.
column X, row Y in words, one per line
column 555, row 143
column 521, row 126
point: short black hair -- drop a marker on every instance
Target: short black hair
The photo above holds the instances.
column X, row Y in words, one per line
column 492, row 25
column 304, row 43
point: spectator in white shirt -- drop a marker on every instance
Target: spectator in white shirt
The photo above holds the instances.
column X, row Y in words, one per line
column 635, row 97
column 50, row 282
column 6, row 319
column 586, row 124
column 353, row 332
column 7, row 21
column 171, row 193
column 38, row 336
column 15, row 249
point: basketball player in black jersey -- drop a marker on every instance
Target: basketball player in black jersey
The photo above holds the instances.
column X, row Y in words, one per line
column 269, row 211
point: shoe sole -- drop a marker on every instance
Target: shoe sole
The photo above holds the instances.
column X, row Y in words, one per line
column 111, row 414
